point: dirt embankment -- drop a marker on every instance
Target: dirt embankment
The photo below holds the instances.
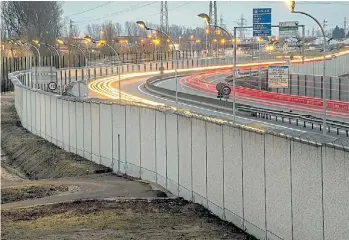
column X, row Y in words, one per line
column 34, row 156
column 47, row 209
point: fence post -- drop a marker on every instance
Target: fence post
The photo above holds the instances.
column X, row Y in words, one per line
column 340, row 88
column 322, row 85
column 330, row 88
column 305, row 85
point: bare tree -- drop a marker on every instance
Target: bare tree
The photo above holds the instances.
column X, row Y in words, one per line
column 93, row 30
column 33, row 20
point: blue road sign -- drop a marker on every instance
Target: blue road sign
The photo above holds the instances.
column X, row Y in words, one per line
column 262, row 18
column 261, row 22
column 261, row 11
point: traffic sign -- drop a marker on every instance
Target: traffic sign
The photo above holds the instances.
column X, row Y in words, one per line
column 52, row 86
column 288, row 29
column 261, row 22
column 226, row 90
column 219, row 86
column 278, row 76
column 236, row 72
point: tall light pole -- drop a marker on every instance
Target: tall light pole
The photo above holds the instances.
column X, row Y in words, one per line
column 28, row 45
column 72, row 45
column 51, row 55
column 208, row 20
column 116, row 54
column 142, row 25
column 292, row 5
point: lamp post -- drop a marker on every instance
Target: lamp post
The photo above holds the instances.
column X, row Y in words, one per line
column 28, row 50
column 28, row 45
column 292, row 5
column 208, row 20
column 142, row 24
column 37, row 42
column 116, row 54
column 72, row 45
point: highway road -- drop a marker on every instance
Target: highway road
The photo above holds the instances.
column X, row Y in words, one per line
column 132, row 89
column 204, row 82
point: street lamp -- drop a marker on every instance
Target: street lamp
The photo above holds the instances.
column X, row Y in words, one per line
column 72, row 45
column 208, row 21
column 28, row 45
column 104, row 43
column 292, row 5
column 37, row 42
column 142, row 25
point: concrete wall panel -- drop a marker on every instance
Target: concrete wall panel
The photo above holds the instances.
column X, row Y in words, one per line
column 79, row 129
column 87, row 131
column 184, row 140
column 66, row 129
column 161, row 152
column 42, row 115
column 306, row 191
column 72, row 127
column 232, row 146
column 28, row 110
column 336, row 193
column 38, row 113
column 60, row 128
column 215, row 166
column 119, row 137
column 48, row 120
column 106, row 135
column 148, row 150
column 53, row 117
column 172, row 153
column 199, row 161
column 133, row 148
column 253, row 186
column 33, row 111
column 278, row 186
column 95, row 121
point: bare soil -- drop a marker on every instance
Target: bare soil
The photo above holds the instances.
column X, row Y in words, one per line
column 134, row 209
column 13, row 194
column 134, row 219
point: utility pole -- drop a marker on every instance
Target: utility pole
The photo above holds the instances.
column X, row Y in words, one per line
column 70, row 28
column 214, row 18
column 163, row 25
column 345, row 25
column 241, row 23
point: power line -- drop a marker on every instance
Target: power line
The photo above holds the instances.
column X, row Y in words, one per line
column 181, row 5
column 88, row 10
column 130, row 9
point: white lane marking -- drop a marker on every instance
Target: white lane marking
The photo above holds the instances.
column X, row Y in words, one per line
column 205, row 109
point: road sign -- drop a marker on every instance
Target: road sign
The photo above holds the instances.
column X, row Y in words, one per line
column 219, row 86
column 261, row 22
column 288, row 29
column 236, row 72
column 278, row 76
column 226, row 90
column 52, row 86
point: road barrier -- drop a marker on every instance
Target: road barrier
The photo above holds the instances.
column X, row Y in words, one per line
column 271, row 185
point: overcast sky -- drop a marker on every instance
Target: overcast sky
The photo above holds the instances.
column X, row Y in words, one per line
column 185, row 13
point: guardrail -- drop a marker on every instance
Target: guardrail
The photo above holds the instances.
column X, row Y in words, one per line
column 293, row 118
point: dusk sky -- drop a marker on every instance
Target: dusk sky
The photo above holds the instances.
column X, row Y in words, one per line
column 185, row 13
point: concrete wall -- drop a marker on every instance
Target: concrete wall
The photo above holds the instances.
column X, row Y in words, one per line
column 271, row 186
column 335, row 67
